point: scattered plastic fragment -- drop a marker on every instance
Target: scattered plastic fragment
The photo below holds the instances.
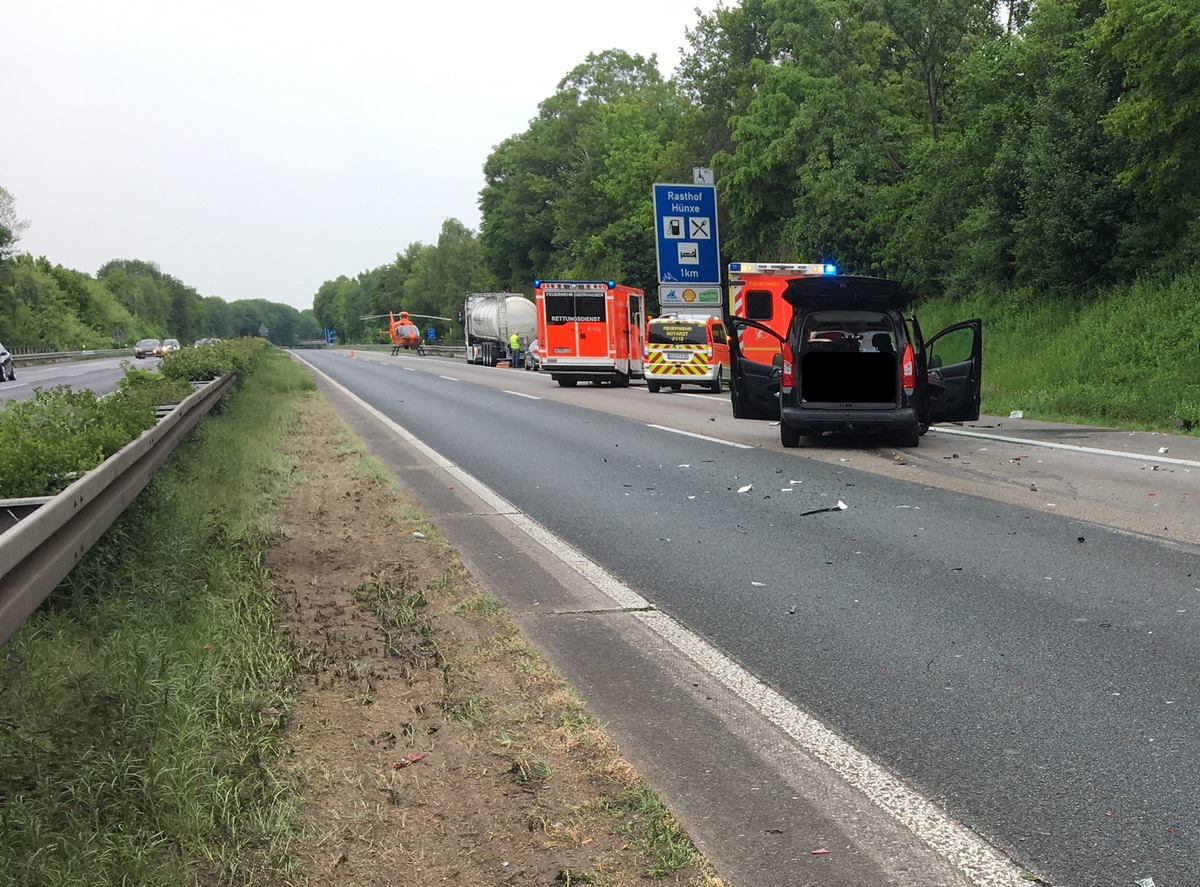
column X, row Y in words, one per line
column 1144, row 882
column 1033, row 487
column 746, row 489
column 418, row 535
column 410, row 758
column 824, row 852
column 1016, row 414
column 841, row 506
column 1162, row 449
column 757, row 584
column 1080, row 538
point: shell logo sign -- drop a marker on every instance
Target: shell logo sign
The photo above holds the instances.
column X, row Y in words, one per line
column 674, row 296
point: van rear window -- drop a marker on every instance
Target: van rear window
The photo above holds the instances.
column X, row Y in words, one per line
column 759, row 304
column 576, row 307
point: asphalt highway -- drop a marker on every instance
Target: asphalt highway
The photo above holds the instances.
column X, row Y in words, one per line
column 1001, row 621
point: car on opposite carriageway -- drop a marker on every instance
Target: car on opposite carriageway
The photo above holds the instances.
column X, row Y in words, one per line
column 7, row 371
column 147, row 348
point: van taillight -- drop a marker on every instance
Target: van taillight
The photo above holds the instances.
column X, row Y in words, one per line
column 787, row 378
column 908, row 370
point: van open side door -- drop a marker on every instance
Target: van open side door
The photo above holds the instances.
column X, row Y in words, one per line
column 753, row 386
column 953, row 364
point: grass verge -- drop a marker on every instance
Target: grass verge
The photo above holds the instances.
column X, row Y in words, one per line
column 152, row 712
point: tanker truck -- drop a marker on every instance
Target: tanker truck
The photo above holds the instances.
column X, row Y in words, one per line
column 490, row 319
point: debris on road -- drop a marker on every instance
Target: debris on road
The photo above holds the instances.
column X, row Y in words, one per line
column 841, row 506
column 746, row 489
column 1017, row 414
column 410, row 758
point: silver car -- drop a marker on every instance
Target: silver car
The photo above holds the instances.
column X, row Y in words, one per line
column 7, row 373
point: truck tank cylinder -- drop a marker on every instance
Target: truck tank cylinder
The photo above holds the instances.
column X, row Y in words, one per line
column 520, row 318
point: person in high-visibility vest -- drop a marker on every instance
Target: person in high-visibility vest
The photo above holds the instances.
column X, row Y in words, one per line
column 514, row 350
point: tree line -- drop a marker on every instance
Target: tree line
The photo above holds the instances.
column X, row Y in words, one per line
column 53, row 308
column 961, row 146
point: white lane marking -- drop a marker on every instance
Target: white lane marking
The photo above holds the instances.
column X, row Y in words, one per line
column 727, row 443
column 521, row 394
column 1075, row 448
column 980, row 863
column 448, row 378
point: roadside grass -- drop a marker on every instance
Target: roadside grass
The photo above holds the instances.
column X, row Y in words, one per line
column 1125, row 356
column 142, row 707
column 140, row 701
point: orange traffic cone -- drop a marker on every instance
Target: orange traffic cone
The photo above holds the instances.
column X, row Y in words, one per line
column 351, row 352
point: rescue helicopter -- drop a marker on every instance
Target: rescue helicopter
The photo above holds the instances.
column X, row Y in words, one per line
column 402, row 331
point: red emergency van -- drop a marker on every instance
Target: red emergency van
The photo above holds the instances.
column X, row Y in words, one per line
column 590, row 330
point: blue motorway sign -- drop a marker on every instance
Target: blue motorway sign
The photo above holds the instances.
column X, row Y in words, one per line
column 330, row 335
column 686, row 234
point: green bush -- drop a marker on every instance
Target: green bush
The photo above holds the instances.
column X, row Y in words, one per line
column 211, row 360
column 51, row 440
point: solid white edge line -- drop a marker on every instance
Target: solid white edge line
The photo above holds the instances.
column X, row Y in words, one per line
column 521, row 394
column 728, row 443
column 1075, row 448
column 980, row 863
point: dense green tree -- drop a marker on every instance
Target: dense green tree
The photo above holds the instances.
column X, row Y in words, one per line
column 1155, row 47
column 35, row 311
column 572, row 196
column 11, row 225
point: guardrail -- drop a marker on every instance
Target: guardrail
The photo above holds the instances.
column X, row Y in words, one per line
column 35, row 357
column 46, row 537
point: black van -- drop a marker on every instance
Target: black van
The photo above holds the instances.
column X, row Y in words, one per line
column 851, row 362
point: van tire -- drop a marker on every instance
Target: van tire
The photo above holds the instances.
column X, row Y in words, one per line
column 676, row 386
column 789, row 436
column 568, row 383
column 652, row 387
column 715, row 385
column 910, row 437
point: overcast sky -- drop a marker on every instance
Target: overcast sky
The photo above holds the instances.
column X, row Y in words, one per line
column 257, row 148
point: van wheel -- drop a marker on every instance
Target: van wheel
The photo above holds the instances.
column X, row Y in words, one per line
column 567, row 383
column 676, row 386
column 716, row 383
column 652, row 387
column 910, row 437
column 622, row 380
column 789, row 436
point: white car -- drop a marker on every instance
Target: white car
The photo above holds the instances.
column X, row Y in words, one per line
column 7, row 373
